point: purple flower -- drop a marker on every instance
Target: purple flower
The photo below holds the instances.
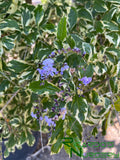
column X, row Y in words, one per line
column 41, row 118
column 49, row 121
column 53, row 109
column 56, row 117
column 64, row 68
column 85, row 80
column 84, row 53
column 52, row 54
column 45, row 110
column 59, row 51
column 48, row 62
column 47, row 69
column 62, row 99
column 63, row 112
column 69, row 49
column 83, row 154
column 56, row 100
column 66, row 94
column 33, row 115
column 75, row 49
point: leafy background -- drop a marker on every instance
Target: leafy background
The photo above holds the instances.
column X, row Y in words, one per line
column 28, row 34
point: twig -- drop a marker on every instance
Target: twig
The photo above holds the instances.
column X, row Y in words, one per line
column 41, row 135
column 9, row 127
column 40, row 130
column 38, row 152
column 7, row 78
column 9, row 100
column 117, row 114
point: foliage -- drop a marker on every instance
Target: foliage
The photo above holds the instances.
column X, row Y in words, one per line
column 82, row 40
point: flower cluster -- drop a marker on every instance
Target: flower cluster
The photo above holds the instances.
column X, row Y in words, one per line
column 49, row 121
column 85, row 80
column 65, row 67
column 48, row 69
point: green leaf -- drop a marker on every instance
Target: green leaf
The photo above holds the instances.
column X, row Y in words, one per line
column 113, row 84
column 77, row 39
column 85, row 14
column 4, row 85
column 89, row 70
column 113, row 38
column 28, row 75
column 100, row 68
column 72, row 17
column 17, row 65
column 113, row 1
column 30, row 139
column 40, row 89
column 1, row 48
column 8, row 43
column 94, row 131
column 11, row 141
column 15, row 122
column 109, row 15
column 87, row 48
column 74, row 60
column 71, row 41
column 9, row 25
column 95, row 98
column 23, row 137
column 43, row 52
column 26, row 17
column 58, row 130
column 49, row 27
column 59, row 11
column 39, row 14
column 105, row 123
column 6, row 153
column 58, row 145
column 4, row 6
column 100, row 6
column 79, row 107
column 107, row 102
column 73, row 145
column 61, row 30
column 75, row 126
column 117, row 104
column 113, row 51
column 112, row 26
column 99, row 26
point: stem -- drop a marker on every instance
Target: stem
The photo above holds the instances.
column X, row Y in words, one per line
column 38, row 152
column 9, row 101
column 41, row 137
column 41, row 131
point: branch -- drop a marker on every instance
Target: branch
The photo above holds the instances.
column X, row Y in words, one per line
column 117, row 114
column 38, row 152
column 9, row 100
